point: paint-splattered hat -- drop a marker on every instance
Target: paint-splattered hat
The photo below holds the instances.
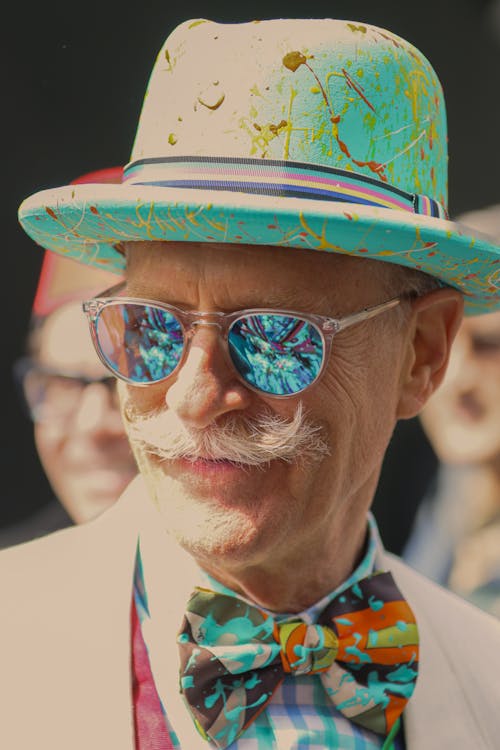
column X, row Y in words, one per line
column 61, row 280
column 321, row 134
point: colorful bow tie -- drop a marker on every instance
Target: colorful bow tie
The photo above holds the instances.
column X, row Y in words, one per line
column 233, row 656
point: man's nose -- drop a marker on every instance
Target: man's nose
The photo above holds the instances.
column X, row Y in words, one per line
column 206, row 386
column 97, row 411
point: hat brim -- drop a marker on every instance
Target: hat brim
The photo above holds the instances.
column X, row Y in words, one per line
column 87, row 222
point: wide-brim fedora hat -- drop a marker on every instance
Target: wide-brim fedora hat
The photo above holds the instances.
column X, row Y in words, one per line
column 321, row 134
column 61, row 280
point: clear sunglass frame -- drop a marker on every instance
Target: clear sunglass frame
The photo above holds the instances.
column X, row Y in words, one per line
column 326, row 326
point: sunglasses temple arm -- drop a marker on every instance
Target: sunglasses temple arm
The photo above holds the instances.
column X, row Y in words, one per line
column 92, row 305
column 113, row 289
column 369, row 312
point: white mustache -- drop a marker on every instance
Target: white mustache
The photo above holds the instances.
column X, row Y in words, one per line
column 250, row 441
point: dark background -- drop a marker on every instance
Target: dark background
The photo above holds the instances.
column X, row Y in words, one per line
column 74, row 76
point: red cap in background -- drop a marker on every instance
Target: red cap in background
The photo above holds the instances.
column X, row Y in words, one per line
column 64, row 280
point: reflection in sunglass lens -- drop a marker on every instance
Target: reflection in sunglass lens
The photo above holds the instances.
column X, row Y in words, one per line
column 140, row 342
column 278, row 354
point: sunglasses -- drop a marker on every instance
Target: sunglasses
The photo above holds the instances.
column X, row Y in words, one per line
column 276, row 352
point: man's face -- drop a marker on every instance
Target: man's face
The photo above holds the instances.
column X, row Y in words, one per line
column 244, row 514
column 81, row 441
column 463, row 419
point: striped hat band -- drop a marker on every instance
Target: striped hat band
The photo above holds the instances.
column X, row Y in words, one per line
column 277, row 178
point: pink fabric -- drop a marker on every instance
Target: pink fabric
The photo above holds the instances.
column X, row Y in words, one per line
column 151, row 732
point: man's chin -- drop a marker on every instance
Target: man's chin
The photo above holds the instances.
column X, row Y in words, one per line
column 225, row 538
column 86, row 507
column 206, row 525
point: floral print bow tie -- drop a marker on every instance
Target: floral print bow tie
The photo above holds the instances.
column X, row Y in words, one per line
column 234, row 655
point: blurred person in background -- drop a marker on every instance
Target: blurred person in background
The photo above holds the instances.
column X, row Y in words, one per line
column 456, row 536
column 71, row 398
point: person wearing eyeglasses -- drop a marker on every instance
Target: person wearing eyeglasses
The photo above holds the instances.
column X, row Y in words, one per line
column 71, row 398
column 291, row 288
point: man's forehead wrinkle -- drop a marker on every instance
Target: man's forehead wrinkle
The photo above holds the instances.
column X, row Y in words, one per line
column 229, row 292
column 210, row 276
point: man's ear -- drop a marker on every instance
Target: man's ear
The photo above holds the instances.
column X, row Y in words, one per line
column 435, row 320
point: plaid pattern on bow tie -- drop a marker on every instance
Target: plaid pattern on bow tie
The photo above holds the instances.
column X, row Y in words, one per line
column 233, row 656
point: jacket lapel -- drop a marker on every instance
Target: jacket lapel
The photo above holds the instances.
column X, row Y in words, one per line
column 69, row 598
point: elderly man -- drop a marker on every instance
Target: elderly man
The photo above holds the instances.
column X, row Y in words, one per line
column 238, row 596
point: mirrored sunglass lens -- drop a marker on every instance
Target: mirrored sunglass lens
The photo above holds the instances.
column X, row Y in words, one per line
column 278, row 354
column 140, row 342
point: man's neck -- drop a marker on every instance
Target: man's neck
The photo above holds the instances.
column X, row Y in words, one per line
column 290, row 587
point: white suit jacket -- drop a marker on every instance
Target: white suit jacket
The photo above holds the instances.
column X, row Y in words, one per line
column 65, row 648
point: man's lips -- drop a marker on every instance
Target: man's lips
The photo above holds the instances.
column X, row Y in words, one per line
column 201, row 464
column 89, row 466
column 208, row 459
column 104, row 480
